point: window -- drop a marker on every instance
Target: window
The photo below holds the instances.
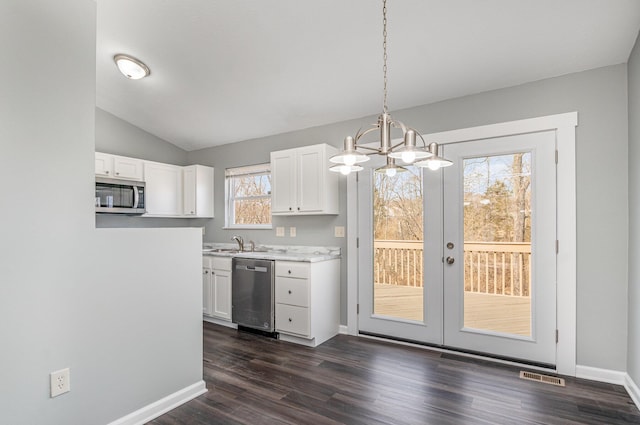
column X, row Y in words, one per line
column 248, row 195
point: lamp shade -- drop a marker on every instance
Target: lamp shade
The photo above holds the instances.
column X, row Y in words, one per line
column 434, row 162
column 390, row 169
column 409, row 152
column 349, row 155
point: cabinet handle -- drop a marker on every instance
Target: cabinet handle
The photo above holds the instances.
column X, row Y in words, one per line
column 289, row 291
column 117, row 174
column 289, row 272
column 298, row 208
column 290, row 209
column 290, row 320
column 206, row 272
column 106, row 172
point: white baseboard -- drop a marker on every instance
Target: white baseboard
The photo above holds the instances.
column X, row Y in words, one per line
column 343, row 330
column 633, row 390
column 155, row 409
column 220, row 322
column 601, row 375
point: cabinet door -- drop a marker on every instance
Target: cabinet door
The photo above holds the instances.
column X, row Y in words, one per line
column 310, row 173
column 189, row 190
column 221, row 287
column 206, row 291
column 283, row 182
column 104, row 164
column 127, row 168
column 198, row 191
column 163, row 189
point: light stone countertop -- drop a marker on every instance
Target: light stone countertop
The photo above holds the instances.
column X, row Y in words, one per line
column 309, row 254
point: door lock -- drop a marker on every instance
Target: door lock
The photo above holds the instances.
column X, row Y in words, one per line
column 450, row 260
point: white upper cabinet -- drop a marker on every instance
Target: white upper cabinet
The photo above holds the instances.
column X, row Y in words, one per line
column 283, row 184
column 104, row 165
column 198, row 191
column 118, row 167
column 171, row 190
column 163, row 195
column 301, row 182
column 127, row 168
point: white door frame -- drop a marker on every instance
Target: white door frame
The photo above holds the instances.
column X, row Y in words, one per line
column 564, row 126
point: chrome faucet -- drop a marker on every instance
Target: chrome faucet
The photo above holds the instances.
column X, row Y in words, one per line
column 252, row 244
column 240, row 242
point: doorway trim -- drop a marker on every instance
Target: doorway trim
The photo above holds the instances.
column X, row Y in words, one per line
column 565, row 127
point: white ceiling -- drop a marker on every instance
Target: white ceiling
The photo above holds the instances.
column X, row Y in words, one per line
column 229, row 70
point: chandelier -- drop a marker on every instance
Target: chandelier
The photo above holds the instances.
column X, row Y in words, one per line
column 407, row 151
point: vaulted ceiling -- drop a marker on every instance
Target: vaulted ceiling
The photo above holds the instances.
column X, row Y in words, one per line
column 229, row 70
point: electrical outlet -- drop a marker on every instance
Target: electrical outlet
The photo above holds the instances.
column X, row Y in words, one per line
column 280, row 231
column 204, row 231
column 60, row 382
column 339, row 231
column 292, row 232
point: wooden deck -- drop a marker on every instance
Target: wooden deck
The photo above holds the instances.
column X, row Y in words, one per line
column 500, row 313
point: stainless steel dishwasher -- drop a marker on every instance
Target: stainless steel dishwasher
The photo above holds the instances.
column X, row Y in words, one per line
column 252, row 296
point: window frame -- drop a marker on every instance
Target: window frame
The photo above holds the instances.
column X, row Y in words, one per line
column 229, row 206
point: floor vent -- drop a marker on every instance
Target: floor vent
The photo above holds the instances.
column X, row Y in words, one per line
column 545, row 379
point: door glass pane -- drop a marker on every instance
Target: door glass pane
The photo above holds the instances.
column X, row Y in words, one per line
column 497, row 243
column 398, row 232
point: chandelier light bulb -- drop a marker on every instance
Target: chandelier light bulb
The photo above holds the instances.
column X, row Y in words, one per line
column 408, row 157
column 345, row 170
column 434, row 165
column 390, row 172
column 349, row 159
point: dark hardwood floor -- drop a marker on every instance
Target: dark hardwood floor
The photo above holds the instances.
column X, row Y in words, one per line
column 349, row 380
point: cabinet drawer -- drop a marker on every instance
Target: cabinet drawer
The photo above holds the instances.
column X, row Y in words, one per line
column 292, row 269
column 292, row 319
column 292, row 291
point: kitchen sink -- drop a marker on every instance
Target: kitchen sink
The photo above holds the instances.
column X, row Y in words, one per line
column 222, row 250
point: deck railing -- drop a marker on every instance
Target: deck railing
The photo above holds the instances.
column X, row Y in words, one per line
column 502, row 268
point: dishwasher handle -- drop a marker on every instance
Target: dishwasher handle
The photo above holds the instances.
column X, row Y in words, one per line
column 259, row 269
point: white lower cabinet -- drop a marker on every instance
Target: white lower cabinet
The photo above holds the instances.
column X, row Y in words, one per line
column 307, row 297
column 216, row 287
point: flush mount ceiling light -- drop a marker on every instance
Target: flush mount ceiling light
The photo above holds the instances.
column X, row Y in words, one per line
column 131, row 67
column 348, row 159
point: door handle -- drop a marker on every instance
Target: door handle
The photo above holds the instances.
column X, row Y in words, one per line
column 451, row 260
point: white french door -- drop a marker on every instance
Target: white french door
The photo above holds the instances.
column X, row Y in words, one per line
column 479, row 273
column 412, row 311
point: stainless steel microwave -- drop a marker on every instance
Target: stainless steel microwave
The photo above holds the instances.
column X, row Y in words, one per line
column 115, row 196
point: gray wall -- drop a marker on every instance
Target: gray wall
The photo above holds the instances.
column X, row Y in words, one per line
column 633, row 350
column 118, row 137
column 128, row 325
column 600, row 98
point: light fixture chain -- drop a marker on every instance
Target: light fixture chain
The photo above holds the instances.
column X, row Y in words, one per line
column 384, row 55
